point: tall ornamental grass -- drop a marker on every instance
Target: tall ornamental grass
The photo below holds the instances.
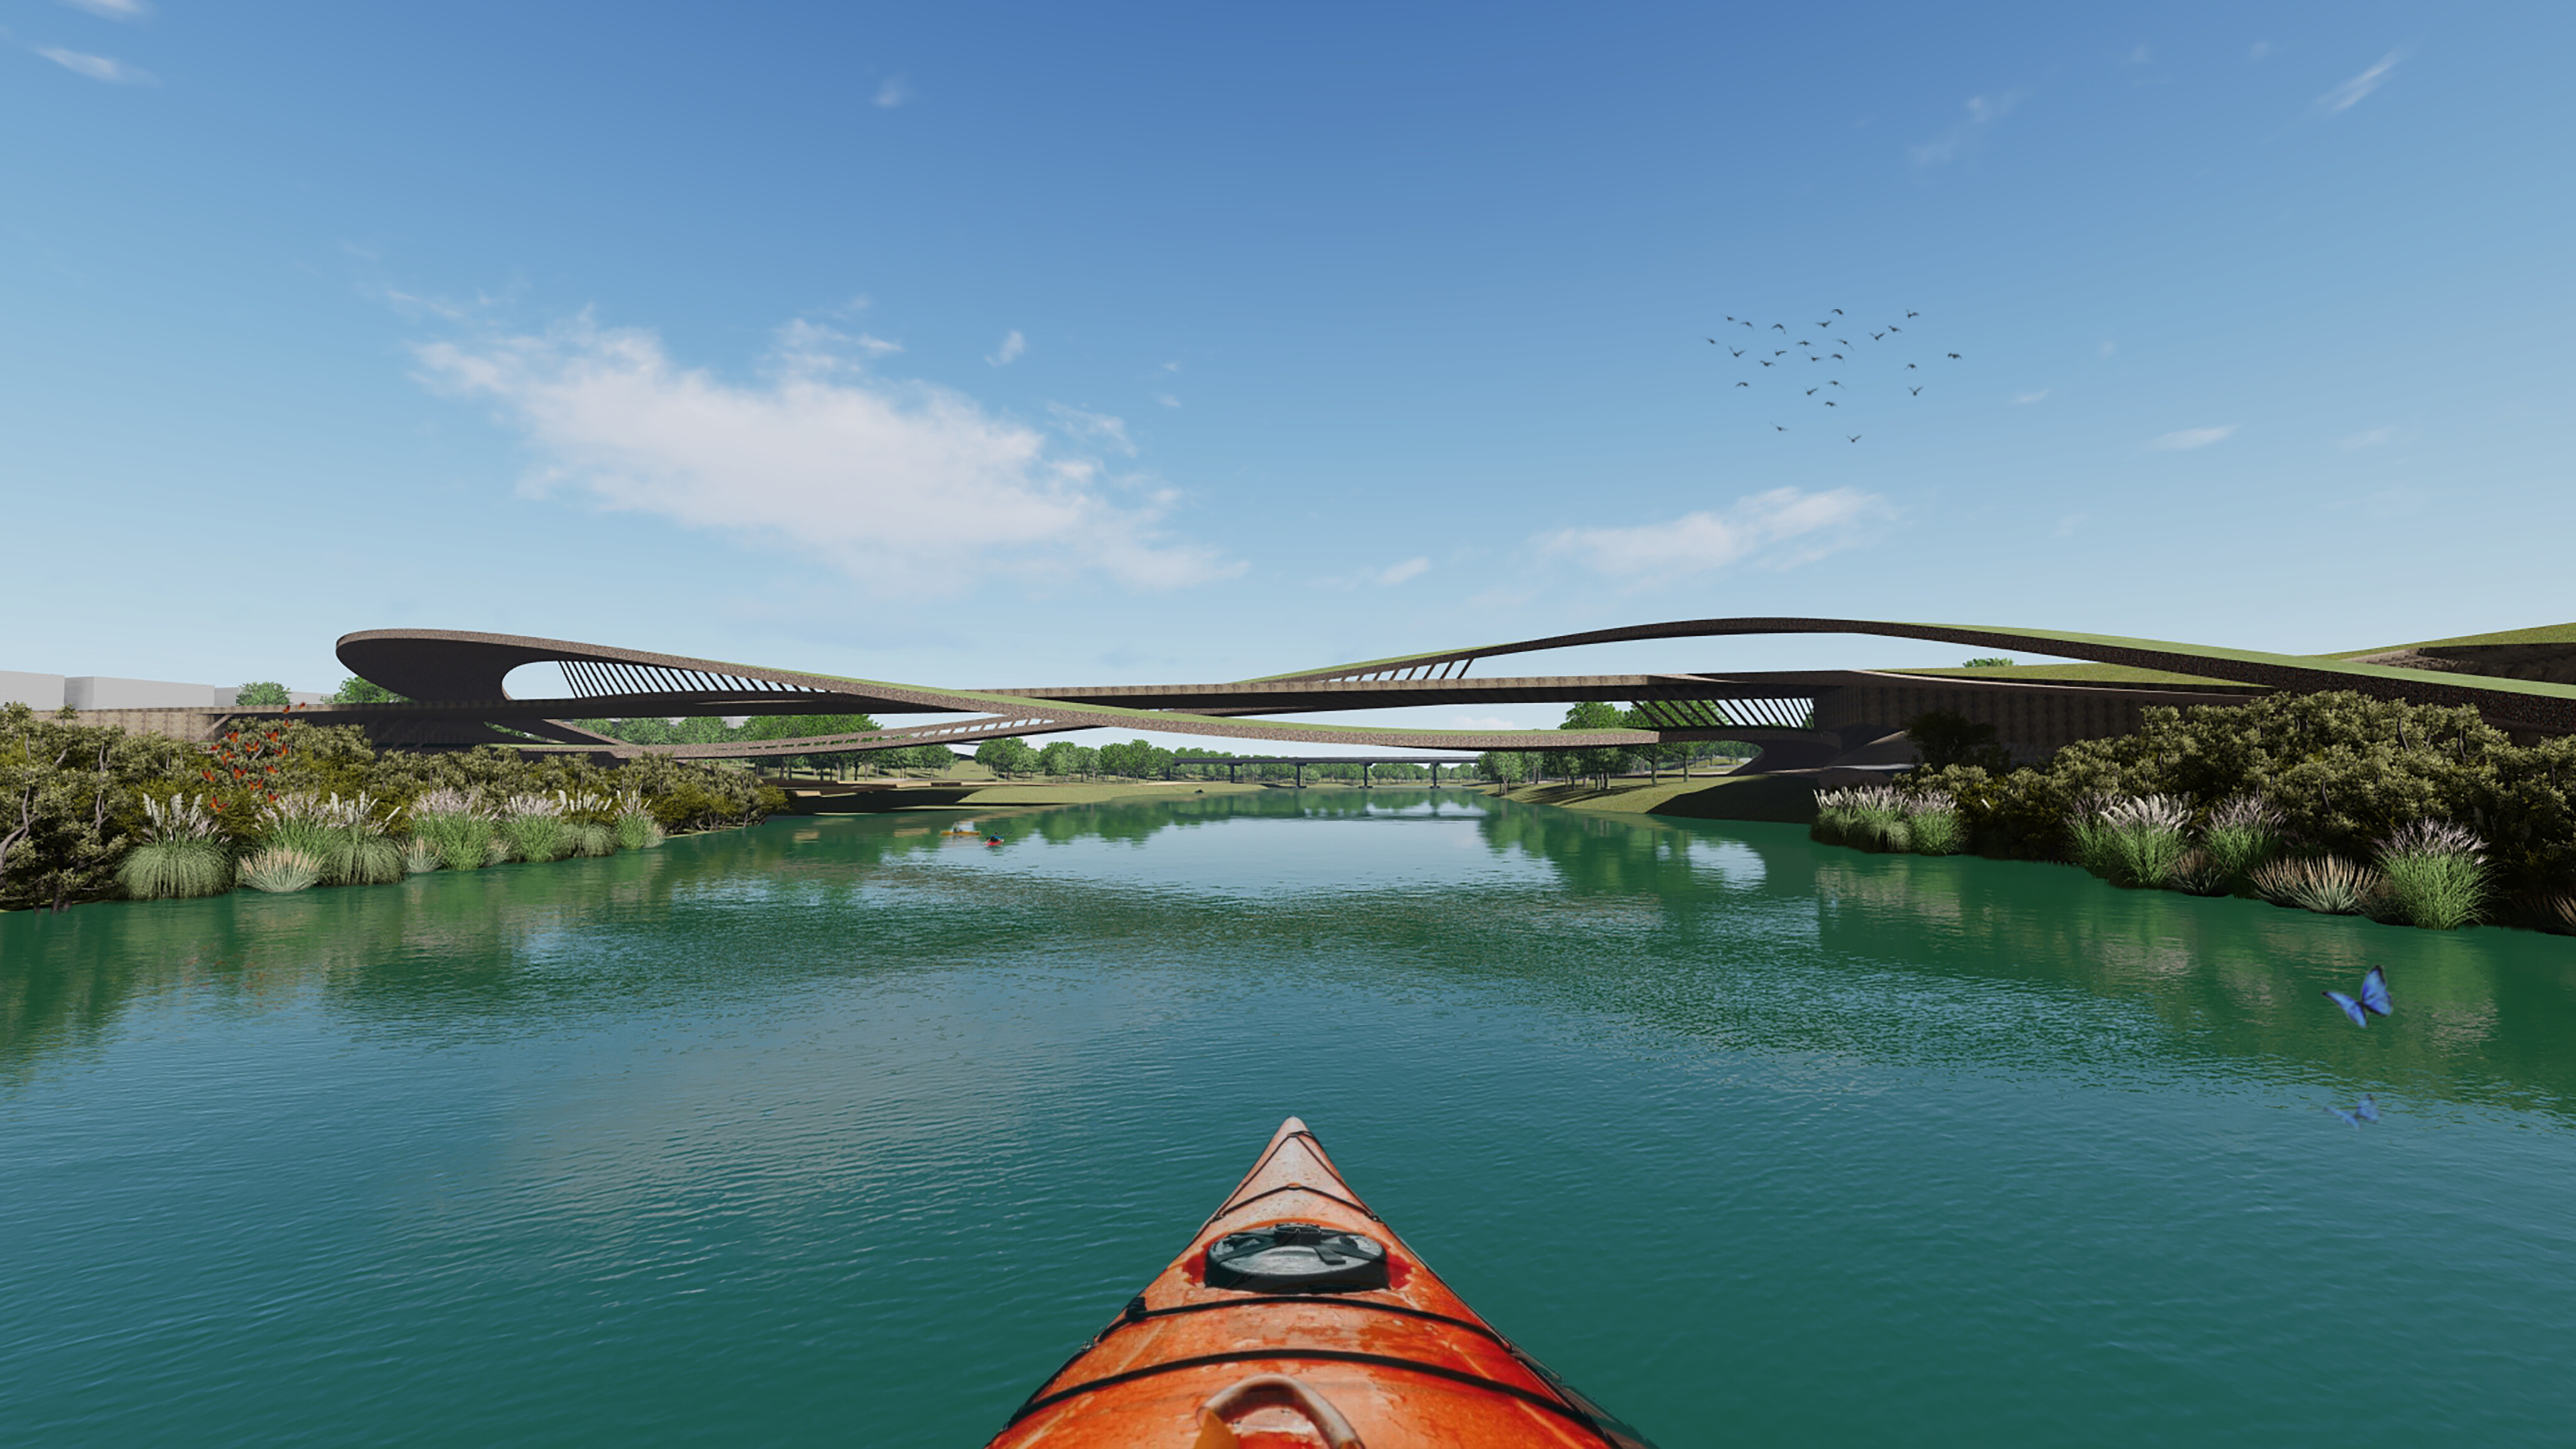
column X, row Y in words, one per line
column 2200, row 874
column 181, row 854
column 420, row 857
column 346, row 836
column 297, row 821
column 634, row 823
column 456, row 827
column 2132, row 840
column 1932, row 820
column 2435, row 874
column 2244, row 833
column 532, row 827
column 1878, row 819
column 281, row 868
column 1884, row 817
column 2560, row 912
column 2329, row 885
column 589, row 822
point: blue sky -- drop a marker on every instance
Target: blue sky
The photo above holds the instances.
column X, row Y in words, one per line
column 1036, row 344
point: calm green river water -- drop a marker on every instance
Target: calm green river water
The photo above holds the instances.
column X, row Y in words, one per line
column 830, row 1132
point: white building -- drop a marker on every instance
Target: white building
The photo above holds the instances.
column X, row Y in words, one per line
column 49, row 692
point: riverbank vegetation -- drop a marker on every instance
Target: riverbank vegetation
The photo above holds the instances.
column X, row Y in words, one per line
column 2414, row 814
column 90, row 812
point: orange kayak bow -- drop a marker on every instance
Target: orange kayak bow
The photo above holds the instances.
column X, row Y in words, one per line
column 1298, row 1320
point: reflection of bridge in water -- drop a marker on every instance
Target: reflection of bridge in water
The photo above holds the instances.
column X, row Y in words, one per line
column 455, row 684
column 1367, row 763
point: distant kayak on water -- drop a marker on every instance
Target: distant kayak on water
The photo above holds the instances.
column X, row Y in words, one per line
column 1298, row 1320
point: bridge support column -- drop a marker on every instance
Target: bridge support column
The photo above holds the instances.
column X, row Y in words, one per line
column 1367, row 783
column 1301, row 775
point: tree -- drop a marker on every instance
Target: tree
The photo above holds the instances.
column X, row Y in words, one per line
column 68, row 802
column 1057, row 759
column 1988, row 661
column 1599, row 760
column 1946, row 738
column 266, row 693
column 354, row 690
column 1006, row 757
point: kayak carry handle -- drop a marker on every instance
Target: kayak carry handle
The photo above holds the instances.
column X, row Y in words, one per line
column 1271, row 1391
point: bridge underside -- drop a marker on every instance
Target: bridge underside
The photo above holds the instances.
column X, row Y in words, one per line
column 456, row 695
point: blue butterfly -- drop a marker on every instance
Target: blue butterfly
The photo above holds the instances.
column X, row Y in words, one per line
column 2365, row 1110
column 2374, row 998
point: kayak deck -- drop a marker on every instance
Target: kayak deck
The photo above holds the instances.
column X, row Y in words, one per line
column 1305, row 1337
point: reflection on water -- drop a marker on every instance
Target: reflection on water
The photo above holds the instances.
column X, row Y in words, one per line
column 757, row 1136
column 1504, row 888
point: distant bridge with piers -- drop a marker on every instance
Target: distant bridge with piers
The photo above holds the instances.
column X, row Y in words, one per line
column 456, row 695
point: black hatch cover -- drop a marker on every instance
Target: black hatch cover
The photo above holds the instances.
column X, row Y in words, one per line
column 1296, row 1258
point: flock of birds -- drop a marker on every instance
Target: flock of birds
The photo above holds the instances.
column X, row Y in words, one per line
column 2373, row 1001
column 1821, row 347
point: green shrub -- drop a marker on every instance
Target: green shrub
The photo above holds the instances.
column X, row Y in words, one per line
column 1945, row 738
column 589, row 838
column 2435, row 875
column 281, row 868
column 638, row 831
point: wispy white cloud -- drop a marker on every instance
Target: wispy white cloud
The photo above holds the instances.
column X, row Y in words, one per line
column 1093, row 427
column 1167, row 400
column 113, row 9
column 894, row 92
column 2027, row 398
column 808, row 348
column 2376, row 438
column 2106, row 349
column 2344, row 97
column 817, row 457
column 1388, row 577
column 2189, row 438
column 1013, row 348
column 1778, row 529
column 98, row 67
column 1171, row 367
column 2259, row 50
column 1963, row 137
column 2140, row 55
